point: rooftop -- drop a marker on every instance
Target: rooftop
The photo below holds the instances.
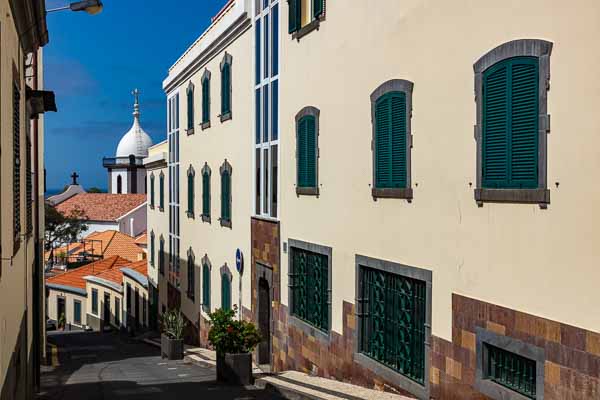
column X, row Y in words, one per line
column 74, row 278
column 102, row 206
column 105, row 243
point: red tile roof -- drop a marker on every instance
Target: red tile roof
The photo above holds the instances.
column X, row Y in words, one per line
column 101, row 206
column 74, row 278
column 139, row 266
column 103, row 243
column 142, row 239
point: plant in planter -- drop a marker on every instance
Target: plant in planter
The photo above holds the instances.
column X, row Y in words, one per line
column 171, row 339
column 234, row 342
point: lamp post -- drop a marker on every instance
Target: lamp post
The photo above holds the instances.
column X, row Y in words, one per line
column 89, row 6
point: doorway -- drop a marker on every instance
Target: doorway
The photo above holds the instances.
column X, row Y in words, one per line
column 264, row 314
column 106, row 310
column 61, row 309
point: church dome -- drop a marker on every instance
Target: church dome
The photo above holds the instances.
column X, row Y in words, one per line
column 136, row 141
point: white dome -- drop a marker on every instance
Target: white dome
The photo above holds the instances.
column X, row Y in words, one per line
column 136, row 141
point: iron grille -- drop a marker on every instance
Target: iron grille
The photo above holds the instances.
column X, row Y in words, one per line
column 393, row 321
column 511, row 370
column 309, row 279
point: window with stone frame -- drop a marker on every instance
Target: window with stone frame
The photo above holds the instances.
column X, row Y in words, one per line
column 206, row 267
column 226, row 187
column 191, row 274
column 152, row 190
column 226, row 278
column 190, row 108
column 191, row 176
column 304, row 16
column 307, row 151
column 152, row 248
column 161, row 255
column 205, row 99
column 226, row 87
column 161, row 191
column 206, row 193
column 511, row 95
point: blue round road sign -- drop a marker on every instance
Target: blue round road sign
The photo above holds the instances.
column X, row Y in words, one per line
column 239, row 260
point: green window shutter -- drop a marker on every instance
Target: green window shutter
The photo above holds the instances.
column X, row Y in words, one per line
column 206, row 287
column 191, row 193
column 152, row 249
column 205, row 100
column 510, row 124
column 317, row 8
column 152, row 191
column 295, row 15
column 190, row 108
column 206, row 194
column 225, row 292
column 225, row 196
column 307, row 152
column 161, row 189
column 161, row 256
column 191, row 278
column 390, row 141
column 226, row 89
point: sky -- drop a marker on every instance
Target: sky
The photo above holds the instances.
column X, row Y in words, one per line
column 93, row 62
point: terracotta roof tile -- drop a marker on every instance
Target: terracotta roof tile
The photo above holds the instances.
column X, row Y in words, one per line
column 105, row 243
column 74, row 278
column 142, row 239
column 123, row 245
column 102, row 206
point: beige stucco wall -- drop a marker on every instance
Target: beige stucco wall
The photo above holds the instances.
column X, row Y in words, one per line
column 543, row 262
column 143, row 293
column 113, row 295
column 51, row 302
column 231, row 140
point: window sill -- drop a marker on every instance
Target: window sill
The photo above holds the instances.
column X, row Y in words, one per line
column 308, row 28
column 206, row 218
column 190, row 214
column 525, row 196
column 189, row 131
column 225, row 222
column 225, row 117
column 307, row 191
column 205, row 125
column 400, row 193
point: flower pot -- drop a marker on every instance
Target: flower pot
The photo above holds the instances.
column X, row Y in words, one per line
column 171, row 349
column 235, row 369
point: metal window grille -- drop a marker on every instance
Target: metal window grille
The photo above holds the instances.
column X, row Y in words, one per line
column 510, row 370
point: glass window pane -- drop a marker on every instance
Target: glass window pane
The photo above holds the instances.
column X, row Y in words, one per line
column 257, row 116
column 257, row 51
column 257, row 184
column 266, row 181
column 275, row 110
column 266, row 113
column 275, row 41
column 274, row 166
column 266, row 46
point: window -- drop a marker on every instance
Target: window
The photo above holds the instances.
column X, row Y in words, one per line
column 152, row 249
column 144, row 310
column 174, row 199
column 117, row 311
column 191, row 275
column 190, row 108
column 161, row 255
column 190, row 181
column 310, row 278
column 206, row 99
column 16, row 163
column 305, row 16
column 95, row 301
column 161, row 191
column 29, row 188
column 205, row 284
column 128, row 300
column 119, row 184
column 152, row 190
column 226, row 292
column 511, row 84
column 77, row 312
column 307, row 151
column 391, row 108
column 225, row 194
column 226, row 90
column 508, row 368
column 206, row 193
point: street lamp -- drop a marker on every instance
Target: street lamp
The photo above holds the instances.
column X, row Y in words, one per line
column 89, row 6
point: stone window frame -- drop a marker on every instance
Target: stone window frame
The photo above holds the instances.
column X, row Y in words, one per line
column 407, row 87
column 224, row 270
column 206, row 171
column 152, row 187
column 425, row 275
column 516, row 48
column 152, row 249
column 161, row 193
column 75, row 322
column 206, row 261
column 161, row 257
column 191, row 294
column 189, row 91
column 313, row 25
column 227, row 59
column 516, row 346
column 226, row 167
column 191, row 172
column 307, row 328
column 205, row 80
column 304, row 112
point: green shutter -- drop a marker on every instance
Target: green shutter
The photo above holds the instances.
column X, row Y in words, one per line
column 152, row 249
column 190, row 108
column 226, row 89
column 390, row 141
column 307, row 152
column 161, row 256
column 205, row 101
column 510, row 124
column 317, row 8
column 295, row 14
column 191, row 278
column 225, row 292
column 225, row 196
column 190, row 193
column 161, row 189
column 205, row 194
column 206, row 287
column 152, row 191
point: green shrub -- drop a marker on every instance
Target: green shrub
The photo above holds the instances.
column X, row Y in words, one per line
column 229, row 335
column 173, row 324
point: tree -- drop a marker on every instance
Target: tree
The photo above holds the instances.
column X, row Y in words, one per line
column 62, row 228
column 95, row 190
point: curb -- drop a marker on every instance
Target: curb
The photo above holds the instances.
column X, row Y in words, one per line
column 287, row 393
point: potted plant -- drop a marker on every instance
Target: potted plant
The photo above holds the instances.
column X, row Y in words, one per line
column 171, row 339
column 234, row 342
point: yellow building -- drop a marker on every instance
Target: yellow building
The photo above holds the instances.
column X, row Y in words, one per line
column 413, row 207
column 22, row 33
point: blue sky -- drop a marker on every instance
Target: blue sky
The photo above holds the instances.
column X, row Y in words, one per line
column 93, row 63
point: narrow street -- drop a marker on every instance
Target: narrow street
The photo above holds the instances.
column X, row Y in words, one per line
column 96, row 366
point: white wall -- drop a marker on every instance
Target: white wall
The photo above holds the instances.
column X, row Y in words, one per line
column 134, row 223
column 69, row 297
column 113, row 177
